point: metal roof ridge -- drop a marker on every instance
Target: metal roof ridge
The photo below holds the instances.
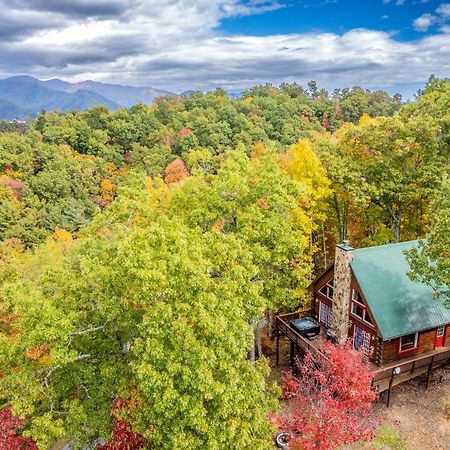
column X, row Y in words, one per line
column 391, row 244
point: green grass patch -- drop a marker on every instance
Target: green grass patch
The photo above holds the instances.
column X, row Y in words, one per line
column 388, row 439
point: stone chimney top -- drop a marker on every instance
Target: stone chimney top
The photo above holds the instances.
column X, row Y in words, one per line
column 345, row 245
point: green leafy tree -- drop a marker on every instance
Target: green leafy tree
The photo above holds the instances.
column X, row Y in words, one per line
column 400, row 163
column 430, row 262
column 167, row 328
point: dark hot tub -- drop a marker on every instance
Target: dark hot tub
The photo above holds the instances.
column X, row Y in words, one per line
column 306, row 327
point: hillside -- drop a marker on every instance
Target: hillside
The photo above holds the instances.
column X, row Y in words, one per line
column 23, row 96
column 9, row 111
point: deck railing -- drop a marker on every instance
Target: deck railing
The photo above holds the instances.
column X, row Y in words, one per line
column 431, row 360
column 283, row 327
column 386, row 377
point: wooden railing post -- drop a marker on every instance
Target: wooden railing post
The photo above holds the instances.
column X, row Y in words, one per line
column 278, row 346
column 430, row 368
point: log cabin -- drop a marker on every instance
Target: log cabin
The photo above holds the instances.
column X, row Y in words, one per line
column 367, row 297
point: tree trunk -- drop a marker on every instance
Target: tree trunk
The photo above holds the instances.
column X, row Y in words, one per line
column 396, row 221
column 341, row 216
column 345, row 221
column 270, row 325
column 259, row 327
column 397, row 231
column 338, row 217
column 324, row 244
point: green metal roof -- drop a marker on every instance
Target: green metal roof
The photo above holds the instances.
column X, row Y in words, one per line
column 399, row 305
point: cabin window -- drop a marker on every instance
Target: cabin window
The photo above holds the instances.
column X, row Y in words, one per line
column 359, row 308
column 408, row 342
column 328, row 289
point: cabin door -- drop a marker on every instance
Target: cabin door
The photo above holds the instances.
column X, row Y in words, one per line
column 325, row 314
column 361, row 340
column 440, row 336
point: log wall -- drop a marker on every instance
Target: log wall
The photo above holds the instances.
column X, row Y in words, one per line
column 425, row 344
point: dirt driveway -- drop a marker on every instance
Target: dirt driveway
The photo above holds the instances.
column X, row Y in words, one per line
column 421, row 417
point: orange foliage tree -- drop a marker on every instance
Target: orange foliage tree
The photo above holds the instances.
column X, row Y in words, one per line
column 175, row 171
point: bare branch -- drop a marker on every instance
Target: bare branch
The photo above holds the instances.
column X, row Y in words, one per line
column 85, row 331
column 52, row 369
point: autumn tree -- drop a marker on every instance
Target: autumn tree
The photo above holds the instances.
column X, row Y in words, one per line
column 430, row 261
column 329, row 404
column 175, row 171
column 167, row 327
column 305, row 167
column 10, row 428
column 399, row 165
column 350, row 193
column 122, row 436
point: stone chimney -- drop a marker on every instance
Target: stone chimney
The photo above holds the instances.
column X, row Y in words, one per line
column 342, row 291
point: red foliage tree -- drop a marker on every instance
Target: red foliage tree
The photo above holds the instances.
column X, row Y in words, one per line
column 122, row 436
column 10, row 438
column 175, row 171
column 15, row 185
column 329, row 404
column 185, row 132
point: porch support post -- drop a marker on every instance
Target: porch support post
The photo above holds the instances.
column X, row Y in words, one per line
column 278, row 348
column 430, row 368
column 292, row 353
column 388, row 402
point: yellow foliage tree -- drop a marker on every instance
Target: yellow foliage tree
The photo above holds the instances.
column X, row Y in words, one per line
column 304, row 166
column 61, row 239
column 108, row 190
column 365, row 119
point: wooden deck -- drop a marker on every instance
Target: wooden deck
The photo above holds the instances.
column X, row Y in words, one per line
column 386, row 376
column 389, row 375
column 284, row 328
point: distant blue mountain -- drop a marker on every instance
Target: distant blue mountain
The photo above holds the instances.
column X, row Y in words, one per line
column 122, row 95
column 10, row 111
column 23, row 96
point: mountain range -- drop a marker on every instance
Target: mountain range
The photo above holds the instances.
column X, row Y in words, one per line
column 24, row 96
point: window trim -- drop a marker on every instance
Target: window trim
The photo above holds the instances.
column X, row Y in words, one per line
column 416, row 343
column 364, row 307
column 327, row 286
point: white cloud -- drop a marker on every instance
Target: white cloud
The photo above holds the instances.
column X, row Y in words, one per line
column 424, row 22
column 444, row 10
column 175, row 44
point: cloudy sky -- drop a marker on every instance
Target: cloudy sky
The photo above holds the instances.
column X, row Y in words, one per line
column 202, row 44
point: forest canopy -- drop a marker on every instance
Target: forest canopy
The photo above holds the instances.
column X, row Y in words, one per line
column 142, row 249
